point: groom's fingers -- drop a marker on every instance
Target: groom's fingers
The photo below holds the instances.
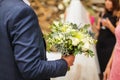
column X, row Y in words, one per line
column 69, row 59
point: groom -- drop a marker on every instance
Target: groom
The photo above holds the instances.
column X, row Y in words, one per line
column 22, row 47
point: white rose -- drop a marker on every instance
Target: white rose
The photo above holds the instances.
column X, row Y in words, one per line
column 86, row 46
column 75, row 41
column 60, row 36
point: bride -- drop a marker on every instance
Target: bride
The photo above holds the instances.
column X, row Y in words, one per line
column 76, row 13
column 84, row 68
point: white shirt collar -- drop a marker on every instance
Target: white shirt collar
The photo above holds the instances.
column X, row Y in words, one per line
column 27, row 2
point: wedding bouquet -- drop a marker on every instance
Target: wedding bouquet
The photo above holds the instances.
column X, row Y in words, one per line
column 68, row 39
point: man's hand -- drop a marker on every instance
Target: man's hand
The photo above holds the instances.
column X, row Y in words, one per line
column 69, row 59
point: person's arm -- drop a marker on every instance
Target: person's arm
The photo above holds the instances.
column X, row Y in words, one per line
column 110, row 61
column 99, row 20
column 28, row 46
column 98, row 24
column 112, row 28
column 109, row 25
column 108, row 68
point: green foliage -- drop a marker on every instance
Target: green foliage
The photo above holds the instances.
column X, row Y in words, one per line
column 68, row 39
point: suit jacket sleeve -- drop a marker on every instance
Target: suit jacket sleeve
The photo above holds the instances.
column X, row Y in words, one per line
column 28, row 46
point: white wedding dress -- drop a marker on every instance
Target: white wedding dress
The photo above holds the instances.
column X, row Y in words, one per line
column 84, row 68
column 76, row 13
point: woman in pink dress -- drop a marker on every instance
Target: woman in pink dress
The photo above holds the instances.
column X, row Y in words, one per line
column 112, row 71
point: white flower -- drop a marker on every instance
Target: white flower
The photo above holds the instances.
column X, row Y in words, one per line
column 66, row 37
column 60, row 36
column 56, row 23
column 75, row 41
column 86, row 46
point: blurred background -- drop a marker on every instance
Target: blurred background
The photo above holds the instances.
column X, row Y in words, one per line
column 51, row 10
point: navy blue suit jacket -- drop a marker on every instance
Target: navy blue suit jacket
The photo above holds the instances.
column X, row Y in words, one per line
column 22, row 47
